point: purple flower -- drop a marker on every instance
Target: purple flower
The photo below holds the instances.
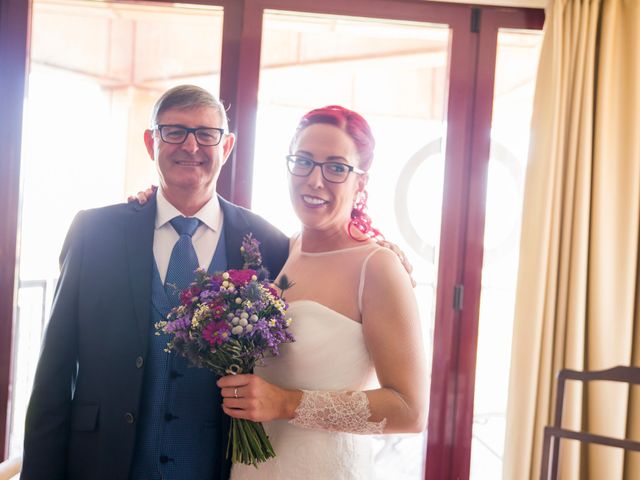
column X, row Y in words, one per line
column 251, row 252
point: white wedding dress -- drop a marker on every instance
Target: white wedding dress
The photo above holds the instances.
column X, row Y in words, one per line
column 329, row 353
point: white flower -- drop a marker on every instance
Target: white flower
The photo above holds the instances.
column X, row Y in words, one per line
column 237, row 330
column 244, row 315
column 225, row 275
column 249, row 328
column 235, row 321
column 238, row 300
column 253, row 318
column 243, row 322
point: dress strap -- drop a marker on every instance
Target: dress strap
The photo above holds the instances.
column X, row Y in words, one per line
column 293, row 241
column 363, row 272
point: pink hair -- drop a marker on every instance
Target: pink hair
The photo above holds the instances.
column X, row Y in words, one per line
column 354, row 125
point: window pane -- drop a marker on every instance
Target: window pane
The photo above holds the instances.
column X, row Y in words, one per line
column 396, row 75
column 96, row 70
column 516, row 65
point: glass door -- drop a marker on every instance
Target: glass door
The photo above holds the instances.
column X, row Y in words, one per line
column 395, row 74
column 515, row 74
column 96, row 69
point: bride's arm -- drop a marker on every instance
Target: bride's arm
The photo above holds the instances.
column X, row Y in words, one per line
column 393, row 335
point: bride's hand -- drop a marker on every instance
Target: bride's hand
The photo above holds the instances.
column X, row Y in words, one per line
column 250, row 397
column 142, row 197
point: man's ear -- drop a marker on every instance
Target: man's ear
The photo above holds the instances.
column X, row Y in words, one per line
column 227, row 146
column 149, row 142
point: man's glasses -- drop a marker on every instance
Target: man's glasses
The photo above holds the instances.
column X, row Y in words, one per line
column 177, row 134
column 334, row 172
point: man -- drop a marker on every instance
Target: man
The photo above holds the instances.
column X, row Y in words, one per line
column 108, row 402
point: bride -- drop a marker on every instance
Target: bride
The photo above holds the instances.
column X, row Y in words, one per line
column 357, row 367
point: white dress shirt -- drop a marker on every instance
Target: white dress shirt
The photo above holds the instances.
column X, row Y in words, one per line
column 205, row 239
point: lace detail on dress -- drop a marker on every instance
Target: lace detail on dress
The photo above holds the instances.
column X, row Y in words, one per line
column 336, row 412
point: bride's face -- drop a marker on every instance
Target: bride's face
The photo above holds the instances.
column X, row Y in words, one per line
column 319, row 203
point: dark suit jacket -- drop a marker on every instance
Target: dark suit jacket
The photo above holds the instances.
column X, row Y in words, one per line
column 81, row 419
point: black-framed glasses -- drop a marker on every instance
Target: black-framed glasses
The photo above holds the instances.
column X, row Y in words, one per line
column 177, row 134
column 334, row 172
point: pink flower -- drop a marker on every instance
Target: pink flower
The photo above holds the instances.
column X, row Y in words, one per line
column 186, row 296
column 216, row 333
column 241, row 277
column 218, row 308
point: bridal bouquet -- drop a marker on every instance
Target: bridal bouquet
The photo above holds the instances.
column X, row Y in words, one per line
column 227, row 322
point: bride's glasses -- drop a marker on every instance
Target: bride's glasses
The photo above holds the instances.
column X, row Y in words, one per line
column 334, row 172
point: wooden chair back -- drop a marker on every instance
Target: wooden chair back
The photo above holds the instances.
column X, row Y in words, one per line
column 555, row 432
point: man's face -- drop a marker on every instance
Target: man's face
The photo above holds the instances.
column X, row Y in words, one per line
column 188, row 168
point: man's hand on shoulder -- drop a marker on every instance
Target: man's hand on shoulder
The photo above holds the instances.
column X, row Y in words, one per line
column 401, row 256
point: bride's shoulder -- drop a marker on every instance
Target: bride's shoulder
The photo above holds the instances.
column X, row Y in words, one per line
column 383, row 261
column 383, row 270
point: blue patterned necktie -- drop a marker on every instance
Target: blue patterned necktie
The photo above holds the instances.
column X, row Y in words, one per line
column 183, row 259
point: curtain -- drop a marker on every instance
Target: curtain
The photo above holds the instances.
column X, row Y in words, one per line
column 578, row 294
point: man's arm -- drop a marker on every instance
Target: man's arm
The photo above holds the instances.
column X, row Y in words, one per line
column 49, row 410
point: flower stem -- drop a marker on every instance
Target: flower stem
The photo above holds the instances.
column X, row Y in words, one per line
column 249, row 443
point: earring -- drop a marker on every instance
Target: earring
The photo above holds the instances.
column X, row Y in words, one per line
column 358, row 199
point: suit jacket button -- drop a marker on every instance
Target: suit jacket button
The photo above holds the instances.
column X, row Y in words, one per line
column 139, row 362
column 128, row 417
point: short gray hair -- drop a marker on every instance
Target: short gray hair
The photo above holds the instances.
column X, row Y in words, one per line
column 188, row 96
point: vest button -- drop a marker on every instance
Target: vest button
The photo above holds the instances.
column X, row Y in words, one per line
column 139, row 362
column 128, row 417
column 164, row 459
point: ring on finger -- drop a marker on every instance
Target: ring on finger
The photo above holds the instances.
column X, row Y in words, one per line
column 235, row 392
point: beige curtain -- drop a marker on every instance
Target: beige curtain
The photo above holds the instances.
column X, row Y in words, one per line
column 578, row 297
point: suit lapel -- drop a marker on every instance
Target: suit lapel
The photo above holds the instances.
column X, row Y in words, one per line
column 139, row 232
column 235, row 228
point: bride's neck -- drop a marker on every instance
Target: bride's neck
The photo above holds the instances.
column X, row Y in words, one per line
column 324, row 241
